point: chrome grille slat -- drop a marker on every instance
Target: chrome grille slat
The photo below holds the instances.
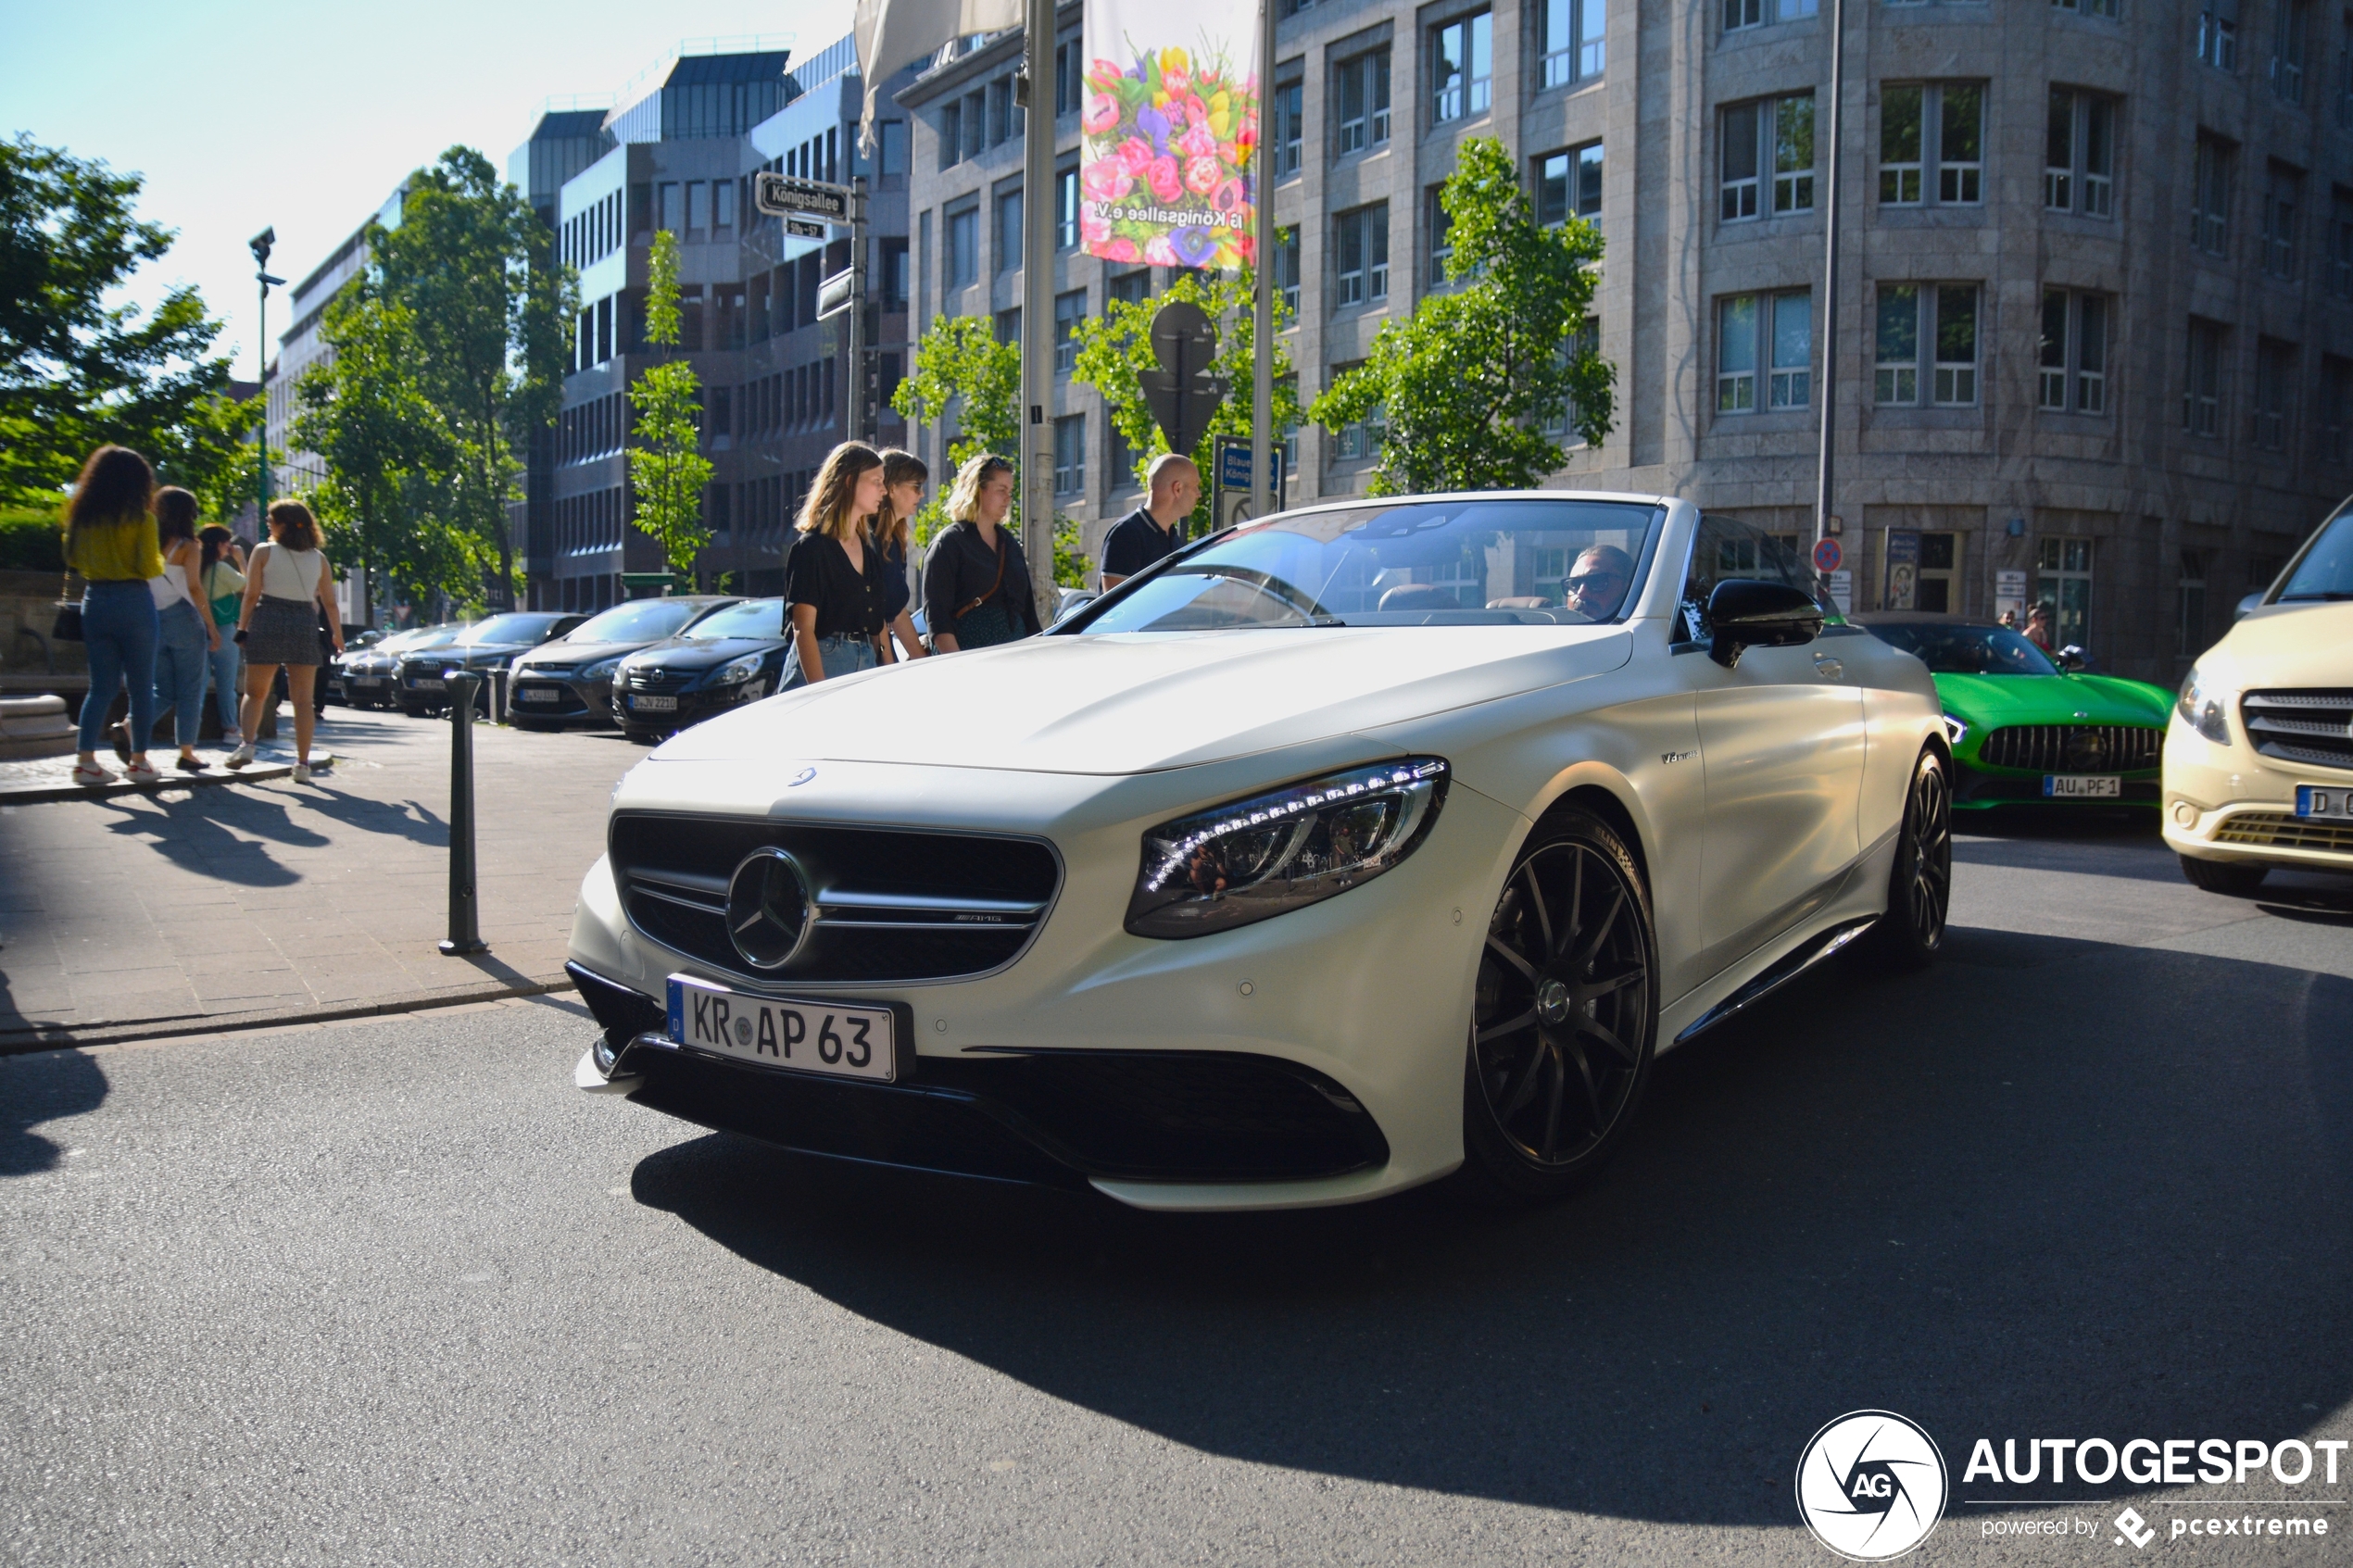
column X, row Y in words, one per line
column 2067, row 748
column 2312, row 726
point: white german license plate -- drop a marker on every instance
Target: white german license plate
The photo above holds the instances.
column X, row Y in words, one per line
column 843, row 1040
column 365, row 681
column 537, row 694
column 429, row 683
column 2082, row 786
column 650, row 704
column 2314, row 801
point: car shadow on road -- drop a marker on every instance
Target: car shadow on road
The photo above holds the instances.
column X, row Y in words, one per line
column 1967, row 1195
column 45, row 1087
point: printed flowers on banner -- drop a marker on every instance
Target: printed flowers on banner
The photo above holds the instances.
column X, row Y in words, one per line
column 1166, row 175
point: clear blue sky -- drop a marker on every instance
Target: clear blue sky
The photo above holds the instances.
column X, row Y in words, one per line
column 303, row 116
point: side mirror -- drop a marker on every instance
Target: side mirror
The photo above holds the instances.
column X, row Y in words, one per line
column 2248, row 605
column 2070, row 657
column 1744, row 613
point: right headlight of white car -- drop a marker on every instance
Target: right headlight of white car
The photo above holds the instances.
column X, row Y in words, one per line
column 2205, row 707
column 1256, row 858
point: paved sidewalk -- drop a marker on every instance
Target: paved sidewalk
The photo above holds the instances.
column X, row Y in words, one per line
column 173, row 909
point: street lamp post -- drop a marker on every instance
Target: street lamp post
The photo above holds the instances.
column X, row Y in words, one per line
column 260, row 245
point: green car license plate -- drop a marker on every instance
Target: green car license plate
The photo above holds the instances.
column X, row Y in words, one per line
column 2082, row 786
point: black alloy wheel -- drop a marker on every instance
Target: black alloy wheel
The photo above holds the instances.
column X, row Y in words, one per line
column 1919, row 886
column 1565, row 1015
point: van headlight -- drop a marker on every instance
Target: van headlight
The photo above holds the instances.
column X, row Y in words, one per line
column 1260, row 857
column 2206, row 708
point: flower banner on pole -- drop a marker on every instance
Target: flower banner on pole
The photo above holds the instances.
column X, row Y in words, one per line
column 1167, row 173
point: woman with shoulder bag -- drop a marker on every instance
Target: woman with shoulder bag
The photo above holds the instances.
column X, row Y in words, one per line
column 834, row 591
column 903, row 478
column 977, row 582
column 223, row 587
column 185, row 633
column 110, row 540
column 287, row 585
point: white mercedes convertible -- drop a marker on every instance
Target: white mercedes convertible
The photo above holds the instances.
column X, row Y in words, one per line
column 1336, row 853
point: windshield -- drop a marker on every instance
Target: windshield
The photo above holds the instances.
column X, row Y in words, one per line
column 1966, row 650
column 507, row 628
column 424, row 637
column 753, row 618
column 2326, row 570
column 1477, row 562
column 642, row 621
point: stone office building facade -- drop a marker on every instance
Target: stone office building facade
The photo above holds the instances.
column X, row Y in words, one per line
column 2094, row 342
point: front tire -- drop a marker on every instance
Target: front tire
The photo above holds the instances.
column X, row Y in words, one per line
column 1565, row 1015
column 2233, row 879
column 1919, row 887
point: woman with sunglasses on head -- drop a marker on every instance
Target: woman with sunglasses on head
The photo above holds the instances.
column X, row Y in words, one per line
column 833, row 589
column 903, row 478
column 976, row 583
column 110, row 541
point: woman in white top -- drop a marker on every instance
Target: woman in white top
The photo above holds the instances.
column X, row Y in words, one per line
column 185, row 634
column 288, row 588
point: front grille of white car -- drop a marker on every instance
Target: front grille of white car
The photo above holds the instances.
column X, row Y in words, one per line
column 2074, row 749
column 893, row 904
column 2314, row 727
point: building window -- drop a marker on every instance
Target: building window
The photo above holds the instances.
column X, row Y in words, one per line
column 1927, row 340
column 1290, row 131
column 1441, row 234
column 1771, row 138
column 2218, row 33
column 1067, row 66
column 1931, row 143
column 1569, row 185
column 2341, row 243
column 1586, row 339
column 963, row 247
column 2283, row 193
column 2202, row 395
column 1938, row 575
column 1066, row 208
column 2079, row 156
column 890, row 148
column 2063, row 586
column 1771, row 333
column 1286, row 269
column 2276, row 366
column 1132, row 288
column 2344, row 85
column 2189, row 606
column 2288, row 50
column 1573, row 43
column 2210, row 196
column 2072, row 359
column 1070, row 310
column 1361, row 90
column 1007, row 232
column 1350, row 442
column 1462, row 68
column 1070, row 455
column 893, row 275
column 1741, row 14
column 1008, row 323
column 1360, row 253
column 2337, row 408
column 952, row 135
column 2087, row 7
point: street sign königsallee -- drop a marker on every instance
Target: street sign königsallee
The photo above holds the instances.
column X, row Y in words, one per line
column 778, row 196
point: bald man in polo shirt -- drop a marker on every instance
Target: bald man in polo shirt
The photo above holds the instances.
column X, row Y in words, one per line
column 1149, row 532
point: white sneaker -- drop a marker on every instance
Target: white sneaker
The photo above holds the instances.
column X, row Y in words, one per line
column 239, row 758
column 91, row 775
column 143, row 772
column 302, row 772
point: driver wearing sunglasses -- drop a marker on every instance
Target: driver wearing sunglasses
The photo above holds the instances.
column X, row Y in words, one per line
column 1599, row 581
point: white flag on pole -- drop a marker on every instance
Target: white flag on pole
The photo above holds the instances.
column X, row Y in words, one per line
column 893, row 34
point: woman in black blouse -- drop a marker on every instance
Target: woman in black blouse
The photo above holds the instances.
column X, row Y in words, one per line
column 834, row 591
column 903, row 478
column 976, row 583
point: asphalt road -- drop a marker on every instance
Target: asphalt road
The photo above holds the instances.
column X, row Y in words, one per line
column 394, row 1292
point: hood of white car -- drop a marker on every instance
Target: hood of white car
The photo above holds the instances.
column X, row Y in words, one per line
column 1135, row 703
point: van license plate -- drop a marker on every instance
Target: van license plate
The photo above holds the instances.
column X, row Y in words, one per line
column 2336, row 805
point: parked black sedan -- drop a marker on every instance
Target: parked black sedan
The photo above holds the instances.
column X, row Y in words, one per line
column 480, row 648
column 571, row 678
column 733, row 657
column 369, row 676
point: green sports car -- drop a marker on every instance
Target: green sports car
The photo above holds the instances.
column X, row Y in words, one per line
column 2027, row 729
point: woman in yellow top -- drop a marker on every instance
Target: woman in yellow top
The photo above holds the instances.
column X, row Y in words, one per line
column 110, row 540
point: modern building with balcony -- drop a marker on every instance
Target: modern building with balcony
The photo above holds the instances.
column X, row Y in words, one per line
column 2094, row 339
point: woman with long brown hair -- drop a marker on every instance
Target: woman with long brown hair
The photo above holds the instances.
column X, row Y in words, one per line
column 287, row 585
column 110, row 540
column 903, row 478
column 834, row 575
column 185, row 634
column 224, row 586
column 976, row 583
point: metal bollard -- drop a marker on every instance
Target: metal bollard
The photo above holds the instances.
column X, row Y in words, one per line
column 465, row 930
column 499, row 696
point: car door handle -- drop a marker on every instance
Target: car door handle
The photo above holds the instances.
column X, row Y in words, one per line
column 1828, row 668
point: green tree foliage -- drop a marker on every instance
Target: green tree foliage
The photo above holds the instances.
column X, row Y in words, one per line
column 1116, row 346
column 667, row 470
column 1465, row 384
column 75, row 371
column 389, row 454
column 962, row 376
column 489, row 310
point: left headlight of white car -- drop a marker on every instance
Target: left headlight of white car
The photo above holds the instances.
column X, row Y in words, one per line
column 1253, row 859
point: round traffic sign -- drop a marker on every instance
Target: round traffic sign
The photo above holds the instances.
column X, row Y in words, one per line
column 1827, row 555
